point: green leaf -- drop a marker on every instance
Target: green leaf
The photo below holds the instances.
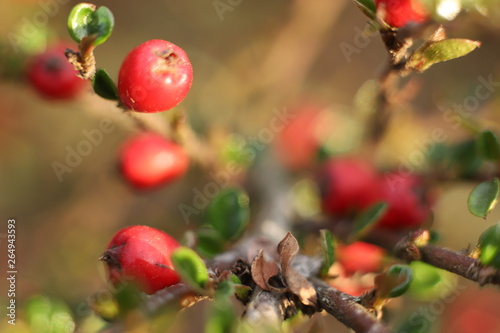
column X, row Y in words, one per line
column 368, row 218
column 48, row 315
column 430, row 282
column 210, row 242
column 484, row 198
column 190, row 267
column 241, row 291
column 104, row 86
column 434, row 52
column 489, row 246
column 367, row 7
column 88, row 21
column 464, row 156
column 395, row 282
column 488, row 146
column 128, row 298
column 222, row 316
column 328, row 250
column 229, row 213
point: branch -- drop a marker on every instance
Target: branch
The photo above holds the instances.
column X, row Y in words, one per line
column 454, row 262
column 265, row 308
column 345, row 308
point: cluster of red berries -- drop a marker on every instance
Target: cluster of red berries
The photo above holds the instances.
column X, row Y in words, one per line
column 350, row 185
column 155, row 76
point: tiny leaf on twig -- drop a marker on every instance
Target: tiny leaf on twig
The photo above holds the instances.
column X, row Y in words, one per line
column 484, row 198
column 367, row 7
column 328, row 250
column 489, row 246
column 190, row 267
column 86, row 20
column 365, row 221
column 488, row 146
column 104, row 86
column 395, row 282
column 434, row 52
column 229, row 212
column 210, row 242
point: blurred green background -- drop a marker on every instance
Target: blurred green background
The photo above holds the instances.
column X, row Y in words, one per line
column 255, row 57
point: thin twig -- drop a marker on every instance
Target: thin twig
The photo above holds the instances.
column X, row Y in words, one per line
column 347, row 310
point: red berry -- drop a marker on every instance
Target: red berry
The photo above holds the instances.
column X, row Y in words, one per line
column 53, row 76
column 155, row 76
column 298, row 143
column 148, row 160
column 347, row 185
column 141, row 255
column 360, row 257
column 407, row 205
column 398, row 13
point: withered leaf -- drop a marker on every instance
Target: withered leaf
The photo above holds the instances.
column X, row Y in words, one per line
column 296, row 283
column 263, row 270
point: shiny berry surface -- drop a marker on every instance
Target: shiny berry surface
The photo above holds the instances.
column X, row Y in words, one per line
column 155, row 76
column 141, row 255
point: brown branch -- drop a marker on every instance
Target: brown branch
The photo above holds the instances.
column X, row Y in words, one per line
column 347, row 310
column 454, row 262
column 180, row 295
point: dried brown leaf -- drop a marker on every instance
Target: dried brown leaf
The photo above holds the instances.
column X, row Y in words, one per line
column 287, row 249
column 263, row 270
column 296, row 283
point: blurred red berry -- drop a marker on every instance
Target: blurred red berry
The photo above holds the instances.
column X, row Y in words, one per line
column 398, row 13
column 297, row 145
column 155, row 76
column 148, row 160
column 408, row 206
column 347, row 185
column 53, row 76
column 141, row 255
column 473, row 311
column 360, row 257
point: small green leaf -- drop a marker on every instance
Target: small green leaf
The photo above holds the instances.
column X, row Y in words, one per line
column 104, row 86
column 328, row 250
column 488, row 146
column 430, row 282
column 367, row 7
column 229, row 213
column 484, row 198
column 395, row 282
column 190, row 267
column 128, row 298
column 210, row 242
column 465, row 157
column 48, row 315
column 88, row 21
column 368, row 218
column 489, row 246
column 222, row 316
column 434, row 52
